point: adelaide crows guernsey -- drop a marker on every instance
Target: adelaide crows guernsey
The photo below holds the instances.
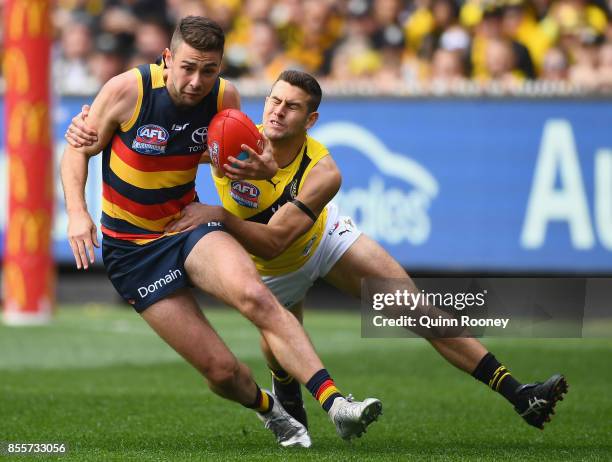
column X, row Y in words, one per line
column 149, row 166
column 258, row 200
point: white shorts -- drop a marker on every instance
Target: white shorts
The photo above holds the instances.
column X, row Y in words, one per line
column 340, row 234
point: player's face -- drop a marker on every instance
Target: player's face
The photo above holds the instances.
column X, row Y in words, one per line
column 191, row 73
column 286, row 112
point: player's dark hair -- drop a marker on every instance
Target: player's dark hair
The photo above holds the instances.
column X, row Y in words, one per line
column 200, row 33
column 307, row 83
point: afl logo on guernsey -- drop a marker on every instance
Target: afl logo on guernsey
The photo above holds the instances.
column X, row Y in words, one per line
column 245, row 193
column 150, row 139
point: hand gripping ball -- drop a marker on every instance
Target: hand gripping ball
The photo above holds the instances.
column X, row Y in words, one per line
column 227, row 131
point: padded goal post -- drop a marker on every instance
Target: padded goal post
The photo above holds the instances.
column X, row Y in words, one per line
column 28, row 267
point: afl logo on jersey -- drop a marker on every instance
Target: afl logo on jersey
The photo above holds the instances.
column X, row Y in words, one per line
column 245, row 193
column 150, row 139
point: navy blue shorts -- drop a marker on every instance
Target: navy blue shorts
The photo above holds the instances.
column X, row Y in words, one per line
column 145, row 274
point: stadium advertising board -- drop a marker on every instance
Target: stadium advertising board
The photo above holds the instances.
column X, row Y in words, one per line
column 510, row 185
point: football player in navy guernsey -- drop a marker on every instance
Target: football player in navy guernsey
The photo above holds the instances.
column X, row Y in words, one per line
column 150, row 125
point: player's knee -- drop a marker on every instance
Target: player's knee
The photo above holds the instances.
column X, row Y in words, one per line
column 222, row 374
column 257, row 303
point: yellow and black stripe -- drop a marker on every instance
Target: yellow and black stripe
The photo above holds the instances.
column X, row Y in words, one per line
column 283, row 380
column 498, row 376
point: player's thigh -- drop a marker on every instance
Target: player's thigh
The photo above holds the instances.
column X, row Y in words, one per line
column 219, row 265
column 178, row 320
column 365, row 258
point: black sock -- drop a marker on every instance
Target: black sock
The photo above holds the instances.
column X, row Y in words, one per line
column 286, row 388
column 490, row 372
column 263, row 401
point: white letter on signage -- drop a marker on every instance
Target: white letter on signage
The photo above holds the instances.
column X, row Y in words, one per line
column 603, row 196
column 568, row 203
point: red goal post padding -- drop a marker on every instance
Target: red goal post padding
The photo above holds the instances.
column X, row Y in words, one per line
column 28, row 268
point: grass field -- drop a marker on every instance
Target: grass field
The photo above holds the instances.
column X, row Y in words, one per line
column 101, row 381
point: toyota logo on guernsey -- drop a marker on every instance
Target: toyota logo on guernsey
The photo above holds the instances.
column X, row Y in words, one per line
column 150, row 139
column 199, row 135
column 393, row 204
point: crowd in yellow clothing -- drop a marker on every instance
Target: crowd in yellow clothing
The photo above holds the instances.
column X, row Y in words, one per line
column 379, row 44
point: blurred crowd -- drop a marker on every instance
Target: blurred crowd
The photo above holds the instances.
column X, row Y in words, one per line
column 384, row 45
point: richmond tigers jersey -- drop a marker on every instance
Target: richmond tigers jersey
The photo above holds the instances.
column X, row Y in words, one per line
column 150, row 165
column 258, row 200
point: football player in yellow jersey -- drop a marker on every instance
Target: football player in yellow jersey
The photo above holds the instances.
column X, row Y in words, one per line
column 205, row 256
column 334, row 249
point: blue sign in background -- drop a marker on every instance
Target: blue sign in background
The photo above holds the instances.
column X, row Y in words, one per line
column 446, row 184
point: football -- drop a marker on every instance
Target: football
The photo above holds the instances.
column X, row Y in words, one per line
column 227, row 131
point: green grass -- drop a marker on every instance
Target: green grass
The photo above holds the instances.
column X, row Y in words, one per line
column 101, row 381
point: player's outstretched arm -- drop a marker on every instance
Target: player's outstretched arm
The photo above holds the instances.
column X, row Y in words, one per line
column 286, row 225
column 113, row 105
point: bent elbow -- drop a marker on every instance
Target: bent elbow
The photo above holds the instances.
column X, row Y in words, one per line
column 274, row 250
column 271, row 254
